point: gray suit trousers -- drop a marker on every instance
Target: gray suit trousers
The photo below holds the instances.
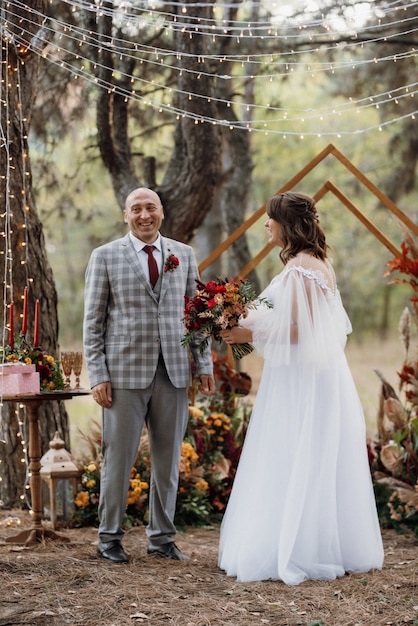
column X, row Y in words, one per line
column 164, row 410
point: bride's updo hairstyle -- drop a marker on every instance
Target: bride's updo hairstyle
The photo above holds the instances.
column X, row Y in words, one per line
column 300, row 230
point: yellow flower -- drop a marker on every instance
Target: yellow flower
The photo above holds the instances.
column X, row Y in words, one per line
column 91, row 467
column 131, row 498
column 50, row 359
column 28, row 361
column 194, row 412
column 134, row 495
column 184, row 466
column 135, row 483
column 188, row 452
column 202, row 485
column 90, row 483
column 82, row 499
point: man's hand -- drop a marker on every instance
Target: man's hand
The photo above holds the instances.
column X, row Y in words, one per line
column 102, row 393
column 206, row 385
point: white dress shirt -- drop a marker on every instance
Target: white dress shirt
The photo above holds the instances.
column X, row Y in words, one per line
column 143, row 256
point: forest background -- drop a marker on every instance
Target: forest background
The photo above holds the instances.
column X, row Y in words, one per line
column 216, row 124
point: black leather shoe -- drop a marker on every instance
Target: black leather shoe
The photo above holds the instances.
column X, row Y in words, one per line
column 169, row 550
column 112, row 551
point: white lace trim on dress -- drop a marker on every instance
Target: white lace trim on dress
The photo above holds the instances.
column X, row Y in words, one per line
column 317, row 275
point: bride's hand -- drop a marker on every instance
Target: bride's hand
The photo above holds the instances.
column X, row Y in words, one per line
column 237, row 334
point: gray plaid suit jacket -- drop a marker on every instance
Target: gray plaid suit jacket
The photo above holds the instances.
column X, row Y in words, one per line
column 126, row 325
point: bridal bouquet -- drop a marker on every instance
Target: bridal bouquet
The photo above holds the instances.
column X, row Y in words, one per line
column 218, row 305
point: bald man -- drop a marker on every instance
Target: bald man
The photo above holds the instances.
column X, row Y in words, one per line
column 138, row 370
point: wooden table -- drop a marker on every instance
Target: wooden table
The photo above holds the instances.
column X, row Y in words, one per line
column 37, row 532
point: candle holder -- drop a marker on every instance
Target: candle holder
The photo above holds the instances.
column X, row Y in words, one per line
column 67, row 364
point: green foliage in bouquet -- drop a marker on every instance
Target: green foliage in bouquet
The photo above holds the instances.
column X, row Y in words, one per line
column 395, row 459
column 209, row 457
column 50, row 375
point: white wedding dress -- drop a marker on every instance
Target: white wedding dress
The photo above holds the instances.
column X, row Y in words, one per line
column 302, row 504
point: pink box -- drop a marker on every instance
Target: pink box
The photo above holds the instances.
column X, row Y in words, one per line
column 19, row 378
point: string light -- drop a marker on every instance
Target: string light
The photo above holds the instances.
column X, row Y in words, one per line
column 122, row 47
column 244, row 28
column 267, row 126
column 7, row 216
column 21, row 434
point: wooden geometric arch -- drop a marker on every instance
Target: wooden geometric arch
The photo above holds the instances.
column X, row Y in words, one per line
column 326, row 187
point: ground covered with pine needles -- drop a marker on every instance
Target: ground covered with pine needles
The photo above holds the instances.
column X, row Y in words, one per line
column 61, row 584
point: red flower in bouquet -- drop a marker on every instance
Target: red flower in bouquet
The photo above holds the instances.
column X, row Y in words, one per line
column 216, row 306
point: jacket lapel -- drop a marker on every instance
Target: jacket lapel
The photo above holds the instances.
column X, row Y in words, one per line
column 165, row 279
column 131, row 256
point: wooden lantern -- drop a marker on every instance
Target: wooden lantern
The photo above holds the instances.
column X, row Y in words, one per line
column 58, row 465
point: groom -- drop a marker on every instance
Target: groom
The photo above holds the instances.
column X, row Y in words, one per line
column 138, row 370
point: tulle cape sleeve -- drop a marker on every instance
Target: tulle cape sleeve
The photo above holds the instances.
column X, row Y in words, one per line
column 307, row 322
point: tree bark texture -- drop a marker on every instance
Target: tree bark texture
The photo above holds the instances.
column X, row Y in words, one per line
column 210, row 166
column 28, row 264
column 194, row 172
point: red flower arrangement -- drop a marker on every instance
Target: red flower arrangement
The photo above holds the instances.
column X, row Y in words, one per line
column 218, row 305
column 407, row 264
column 171, row 263
column 50, row 374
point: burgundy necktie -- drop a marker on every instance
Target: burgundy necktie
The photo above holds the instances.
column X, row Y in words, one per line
column 152, row 265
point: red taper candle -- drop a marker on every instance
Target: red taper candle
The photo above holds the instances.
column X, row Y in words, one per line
column 36, row 326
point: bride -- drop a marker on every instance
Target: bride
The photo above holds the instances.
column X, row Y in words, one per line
column 302, row 504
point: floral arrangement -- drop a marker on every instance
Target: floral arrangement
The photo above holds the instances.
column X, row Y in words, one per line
column 171, row 263
column 209, row 457
column 86, row 500
column 395, row 459
column 216, row 306
column 407, row 264
column 193, row 503
column 50, row 375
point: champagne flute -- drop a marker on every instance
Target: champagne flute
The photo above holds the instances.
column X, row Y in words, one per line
column 67, row 363
column 78, row 364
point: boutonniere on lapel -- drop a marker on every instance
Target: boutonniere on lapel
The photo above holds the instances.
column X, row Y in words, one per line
column 171, row 263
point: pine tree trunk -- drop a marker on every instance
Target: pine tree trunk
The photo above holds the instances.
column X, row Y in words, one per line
column 24, row 261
